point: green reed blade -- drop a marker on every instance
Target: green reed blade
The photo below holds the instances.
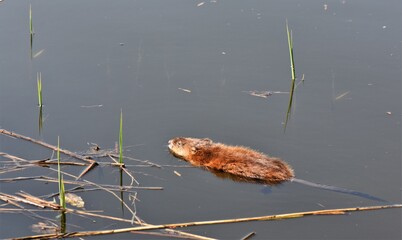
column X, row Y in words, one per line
column 62, row 197
column 293, row 71
column 121, row 138
column 290, row 45
column 62, row 193
column 39, row 86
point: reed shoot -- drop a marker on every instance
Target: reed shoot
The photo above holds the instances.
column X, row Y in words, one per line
column 31, row 32
column 62, row 197
column 121, row 138
column 293, row 71
column 290, row 45
column 39, row 84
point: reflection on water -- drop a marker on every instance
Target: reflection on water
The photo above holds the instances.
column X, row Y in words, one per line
column 40, row 120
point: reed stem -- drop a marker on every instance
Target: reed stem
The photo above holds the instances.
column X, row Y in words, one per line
column 39, row 86
column 121, row 138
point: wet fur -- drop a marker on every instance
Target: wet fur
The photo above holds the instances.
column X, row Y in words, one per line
column 237, row 160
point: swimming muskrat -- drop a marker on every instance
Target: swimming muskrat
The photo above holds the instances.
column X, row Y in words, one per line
column 243, row 162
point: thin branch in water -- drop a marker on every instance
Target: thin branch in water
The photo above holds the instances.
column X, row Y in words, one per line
column 248, row 236
column 171, row 235
column 224, row 221
column 134, row 216
column 125, row 170
column 15, row 159
column 49, row 179
column 54, row 148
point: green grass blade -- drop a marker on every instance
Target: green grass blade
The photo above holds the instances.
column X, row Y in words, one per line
column 121, row 138
column 291, row 93
column 39, row 84
column 290, row 45
column 58, row 160
column 293, row 71
column 62, row 197
column 62, row 193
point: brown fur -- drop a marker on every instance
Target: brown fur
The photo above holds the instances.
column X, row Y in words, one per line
column 237, row 160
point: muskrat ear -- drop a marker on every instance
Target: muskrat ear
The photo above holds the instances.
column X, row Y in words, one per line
column 207, row 140
column 193, row 150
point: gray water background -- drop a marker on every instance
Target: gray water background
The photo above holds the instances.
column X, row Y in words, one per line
column 135, row 55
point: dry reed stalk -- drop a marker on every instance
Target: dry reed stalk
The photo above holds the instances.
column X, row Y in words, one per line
column 224, row 221
column 9, row 200
column 175, row 235
column 91, row 214
column 14, row 158
column 22, row 209
column 134, row 215
column 137, row 160
column 91, row 165
column 248, row 236
column 49, row 179
column 47, row 162
column 21, row 178
column 122, row 167
column 37, row 202
column 54, row 148
column 189, row 235
column 42, row 162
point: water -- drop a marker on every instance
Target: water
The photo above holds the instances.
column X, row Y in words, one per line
column 102, row 56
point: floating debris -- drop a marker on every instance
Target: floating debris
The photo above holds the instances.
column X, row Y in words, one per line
column 42, row 227
column 342, row 95
column 184, row 90
column 263, row 94
column 92, row 106
column 38, row 53
column 200, row 4
column 177, row 173
column 389, row 113
column 74, row 200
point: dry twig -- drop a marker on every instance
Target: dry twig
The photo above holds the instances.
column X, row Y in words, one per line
column 225, row 221
column 88, row 160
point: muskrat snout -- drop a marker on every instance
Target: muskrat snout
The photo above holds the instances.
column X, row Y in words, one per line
column 170, row 144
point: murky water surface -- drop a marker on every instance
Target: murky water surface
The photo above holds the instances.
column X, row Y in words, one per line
column 183, row 68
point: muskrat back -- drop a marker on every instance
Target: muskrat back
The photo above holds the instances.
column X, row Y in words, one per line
column 236, row 160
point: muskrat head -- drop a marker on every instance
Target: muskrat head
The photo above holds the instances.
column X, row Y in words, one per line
column 184, row 148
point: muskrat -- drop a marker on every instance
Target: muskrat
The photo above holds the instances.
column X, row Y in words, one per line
column 242, row 162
